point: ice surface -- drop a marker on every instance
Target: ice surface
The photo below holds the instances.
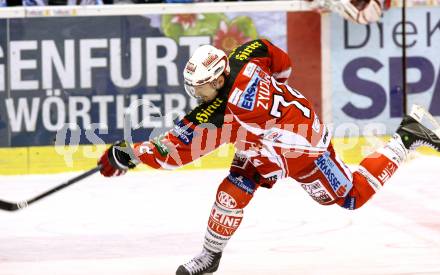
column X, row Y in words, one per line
column 150, row 222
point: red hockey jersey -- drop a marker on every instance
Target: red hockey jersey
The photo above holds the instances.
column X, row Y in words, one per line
column 271, row 124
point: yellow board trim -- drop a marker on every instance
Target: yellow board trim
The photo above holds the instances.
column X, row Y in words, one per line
column 354, row 149
column 59, row 159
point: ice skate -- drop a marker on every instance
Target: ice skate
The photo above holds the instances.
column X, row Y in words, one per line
column 419, row 129
column 206, row 262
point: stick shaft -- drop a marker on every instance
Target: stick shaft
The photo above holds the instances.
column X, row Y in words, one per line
column 12, row 206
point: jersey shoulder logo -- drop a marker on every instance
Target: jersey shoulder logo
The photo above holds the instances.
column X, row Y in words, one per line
column 249, row 69
column 243, row 53
column 235, row 96
column 183, row 131
column 245, row 99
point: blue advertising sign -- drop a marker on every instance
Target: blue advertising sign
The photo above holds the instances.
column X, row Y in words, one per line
column 86, row 72
column 76, row 77
column 4, row 139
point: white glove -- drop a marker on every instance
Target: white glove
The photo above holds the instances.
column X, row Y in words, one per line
column 358, row 11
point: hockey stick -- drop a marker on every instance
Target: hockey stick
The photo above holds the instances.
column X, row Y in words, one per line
column 13, row 206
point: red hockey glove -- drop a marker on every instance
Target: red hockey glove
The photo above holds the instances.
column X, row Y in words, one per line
column 117, row 159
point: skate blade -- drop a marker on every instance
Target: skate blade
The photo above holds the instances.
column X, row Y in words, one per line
column 425, row 118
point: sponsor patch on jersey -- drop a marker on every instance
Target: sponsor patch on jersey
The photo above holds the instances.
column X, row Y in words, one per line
column 335, row 177
column 235, row 96
column 183, row 132
column 203, row 115
column 246, row 100
column 245, row 53
column 160, row 146
column 241, row 182
column 318, row 192
column 249, row 70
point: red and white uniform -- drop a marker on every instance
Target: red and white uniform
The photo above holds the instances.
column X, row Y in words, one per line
column 276, row 133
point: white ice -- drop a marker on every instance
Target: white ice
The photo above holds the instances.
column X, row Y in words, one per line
column 150, row 222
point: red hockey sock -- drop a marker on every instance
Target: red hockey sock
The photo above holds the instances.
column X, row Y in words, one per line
column 374, row 171
column 226, row 213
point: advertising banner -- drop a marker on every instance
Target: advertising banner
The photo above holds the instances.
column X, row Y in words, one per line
column 367, row 69
column 73, row 78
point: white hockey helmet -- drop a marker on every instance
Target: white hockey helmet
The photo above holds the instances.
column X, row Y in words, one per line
column 205, row 65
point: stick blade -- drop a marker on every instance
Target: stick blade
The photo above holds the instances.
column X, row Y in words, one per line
column 8, row 206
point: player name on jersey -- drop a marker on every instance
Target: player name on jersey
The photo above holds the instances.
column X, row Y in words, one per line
column 257, row 90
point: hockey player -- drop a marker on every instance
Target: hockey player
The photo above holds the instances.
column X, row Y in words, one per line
column 276, row 132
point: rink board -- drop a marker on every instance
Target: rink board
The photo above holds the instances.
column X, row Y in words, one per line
column 49, row 159
column 84, row 66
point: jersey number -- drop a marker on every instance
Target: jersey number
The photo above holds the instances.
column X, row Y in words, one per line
column 279, row 99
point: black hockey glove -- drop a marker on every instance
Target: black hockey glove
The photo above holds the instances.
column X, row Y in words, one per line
column 117, row 159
